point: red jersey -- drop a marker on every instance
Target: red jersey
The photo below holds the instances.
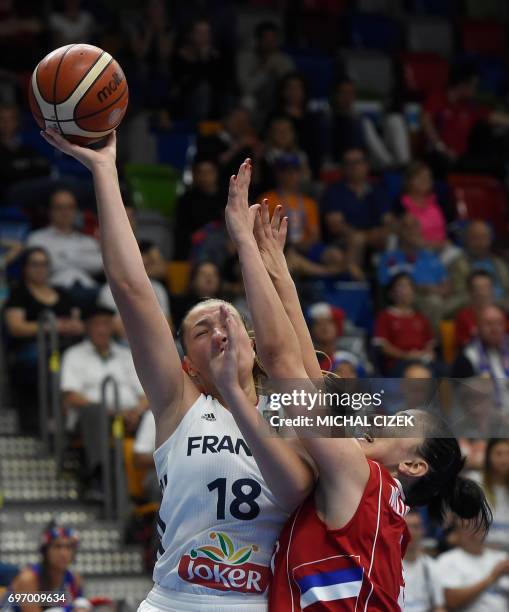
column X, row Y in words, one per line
column 355, row 568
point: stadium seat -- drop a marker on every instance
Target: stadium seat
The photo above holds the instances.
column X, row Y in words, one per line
column 492, row 75
column 430, row 35
column 178, row 276
column 448, row 340
column 392, row 182
column 433, row 7
column 496, row 9
column 173, row 147
column 153, row 187
column 374, row 31
column 484, row 36
column 318, row 70
column 371, row 71
column 423, row 72
column 481, row 197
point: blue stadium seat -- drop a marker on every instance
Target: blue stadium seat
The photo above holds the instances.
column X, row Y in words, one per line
column 393, row 183
column 374, row 31
column 318, row 71
column 355, row 299
column 172, row 148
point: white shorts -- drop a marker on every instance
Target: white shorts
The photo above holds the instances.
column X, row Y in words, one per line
column 163, row 600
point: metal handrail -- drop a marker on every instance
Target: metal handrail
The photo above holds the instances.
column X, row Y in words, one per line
column 49, row 371
column 115, row 499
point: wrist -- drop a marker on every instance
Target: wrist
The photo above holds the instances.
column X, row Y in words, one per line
column 231, row 391
column 246, row 244
column 106, row 166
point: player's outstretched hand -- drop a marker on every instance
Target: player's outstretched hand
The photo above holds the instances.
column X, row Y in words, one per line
column 90, row 158
column 240, row 217
column 223, row 362
column 270, row 235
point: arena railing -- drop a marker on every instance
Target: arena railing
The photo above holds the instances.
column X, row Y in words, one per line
column 115, row 498
column 50, row 411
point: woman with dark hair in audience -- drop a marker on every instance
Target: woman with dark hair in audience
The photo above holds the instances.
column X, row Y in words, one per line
column 27, row 302
column 401, row 332
column 494, row 479
column 205, row 282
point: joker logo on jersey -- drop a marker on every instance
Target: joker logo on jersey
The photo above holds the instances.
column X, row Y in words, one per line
column 224, row 568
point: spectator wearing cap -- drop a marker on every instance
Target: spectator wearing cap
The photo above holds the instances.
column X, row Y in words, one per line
column 301, row 210
column 326, row 327
column 26, row 303
column 281, row 143
column 52, row 574
column 356, row 211
column 477, row 255
column 425, row 268
column 261, row 67
column 347, row 365
column 84, row 367
column 105, row 297
column 401, row 332
column 144, row 447
column 423, row 588
column 202, row 203
column 75, row 258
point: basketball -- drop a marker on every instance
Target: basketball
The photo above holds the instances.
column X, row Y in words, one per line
column 81, row 91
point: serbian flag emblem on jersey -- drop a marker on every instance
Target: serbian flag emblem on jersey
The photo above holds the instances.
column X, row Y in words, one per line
column 336, row 580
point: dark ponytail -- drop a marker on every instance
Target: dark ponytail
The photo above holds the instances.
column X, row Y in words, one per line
column 442, row 488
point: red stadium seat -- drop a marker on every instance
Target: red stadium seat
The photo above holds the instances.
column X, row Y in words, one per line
column 481, row 197
column 484, row 36
column 423, row 72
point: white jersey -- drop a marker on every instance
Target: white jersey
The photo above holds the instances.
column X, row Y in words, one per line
column 218, row 521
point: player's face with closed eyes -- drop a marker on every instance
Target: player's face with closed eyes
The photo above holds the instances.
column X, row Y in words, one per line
column 203, row 327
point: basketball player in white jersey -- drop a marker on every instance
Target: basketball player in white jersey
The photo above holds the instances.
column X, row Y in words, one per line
column 219, row 519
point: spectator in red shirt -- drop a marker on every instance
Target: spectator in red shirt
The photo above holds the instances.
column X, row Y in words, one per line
column 449, row 120
column 482, row 294
column 401, row 332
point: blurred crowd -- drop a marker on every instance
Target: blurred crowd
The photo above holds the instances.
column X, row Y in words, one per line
column 380, row 126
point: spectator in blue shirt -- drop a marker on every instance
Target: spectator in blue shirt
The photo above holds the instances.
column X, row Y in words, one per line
column 425, row 268
column 356, row 212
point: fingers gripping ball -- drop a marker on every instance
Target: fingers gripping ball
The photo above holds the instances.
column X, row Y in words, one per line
column 81, row 91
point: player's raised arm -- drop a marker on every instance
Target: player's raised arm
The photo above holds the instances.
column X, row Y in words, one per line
column 270, row 236
column 154, row 352
column 278, row 347
column 287, row 475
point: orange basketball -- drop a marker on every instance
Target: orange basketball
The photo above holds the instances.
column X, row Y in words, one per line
column 81, row 91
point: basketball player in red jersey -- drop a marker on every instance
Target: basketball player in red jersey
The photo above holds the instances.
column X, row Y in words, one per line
column 342, row 549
